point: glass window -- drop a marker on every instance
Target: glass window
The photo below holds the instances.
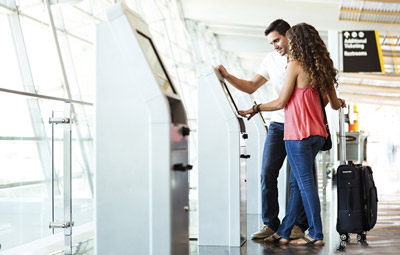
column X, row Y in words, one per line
column 10, row 77
column 82, row 55
column 24, row 192
column 43, row 59
column 25, row 134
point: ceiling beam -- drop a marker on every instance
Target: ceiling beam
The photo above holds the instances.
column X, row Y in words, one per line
column 382, row 1
column 367, row 99
column 389, row 53
column 4, row 9
column 359, row 11
column 367, row 21
column 231, row 26
column 373, row 90
column 375, row 77
column 242, row 44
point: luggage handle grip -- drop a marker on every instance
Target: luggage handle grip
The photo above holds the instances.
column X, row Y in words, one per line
column 342, row 138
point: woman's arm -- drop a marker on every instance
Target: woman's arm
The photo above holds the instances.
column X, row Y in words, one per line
column 335, row 102
column 292, row 72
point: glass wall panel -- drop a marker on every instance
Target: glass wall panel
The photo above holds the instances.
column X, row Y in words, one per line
column 24, row 187
column 75, row 21
column 25, row 170
column 95, row 7
column 10, row 77
column 43, row 59
column 82, row 59
column 16, row 120
column 33, row 9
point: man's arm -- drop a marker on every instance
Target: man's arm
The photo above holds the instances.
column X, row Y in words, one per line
column 243, row 85
column 292, row 73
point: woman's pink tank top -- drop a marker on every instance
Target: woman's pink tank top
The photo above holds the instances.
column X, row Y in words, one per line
column 303, row 115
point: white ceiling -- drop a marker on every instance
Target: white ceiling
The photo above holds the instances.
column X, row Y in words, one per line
column 239, row 27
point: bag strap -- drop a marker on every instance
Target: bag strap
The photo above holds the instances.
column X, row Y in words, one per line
column 323, row 109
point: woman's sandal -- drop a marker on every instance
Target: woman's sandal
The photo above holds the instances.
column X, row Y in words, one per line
column 306, row 240
column 275, row 238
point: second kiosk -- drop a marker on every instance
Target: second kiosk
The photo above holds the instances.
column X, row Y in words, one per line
column 222, row 208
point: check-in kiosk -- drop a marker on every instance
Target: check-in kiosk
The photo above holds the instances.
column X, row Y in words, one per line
column 222, row 207
column 141, row 143
column 257, row 132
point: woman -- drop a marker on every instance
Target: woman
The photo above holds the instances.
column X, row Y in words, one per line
column 309, row 70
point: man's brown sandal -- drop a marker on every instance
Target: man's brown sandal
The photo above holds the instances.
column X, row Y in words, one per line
column 306, row 240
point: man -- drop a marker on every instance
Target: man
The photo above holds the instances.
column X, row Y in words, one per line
column 272, row 69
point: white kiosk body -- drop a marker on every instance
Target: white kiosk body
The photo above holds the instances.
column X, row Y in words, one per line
column 222, row 208
column 141, row 144
column 257, row 133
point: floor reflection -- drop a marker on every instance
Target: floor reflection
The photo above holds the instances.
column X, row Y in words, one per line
column 383, row 239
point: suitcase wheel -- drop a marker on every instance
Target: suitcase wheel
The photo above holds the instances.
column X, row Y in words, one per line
column 342, row 246
column 362, row 236
column 345, row 237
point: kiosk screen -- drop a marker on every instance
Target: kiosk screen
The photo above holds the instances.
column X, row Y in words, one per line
column 155, row 63
column 227, row 92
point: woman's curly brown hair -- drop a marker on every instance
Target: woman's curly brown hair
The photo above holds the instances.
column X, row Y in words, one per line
column 307, row 47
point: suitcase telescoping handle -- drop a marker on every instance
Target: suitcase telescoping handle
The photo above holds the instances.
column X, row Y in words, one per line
column 342, row 138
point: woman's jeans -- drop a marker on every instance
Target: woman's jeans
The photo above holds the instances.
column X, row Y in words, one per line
column 273, row 157
column 301, row 155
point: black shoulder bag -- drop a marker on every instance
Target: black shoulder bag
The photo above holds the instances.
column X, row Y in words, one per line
column 328, row 142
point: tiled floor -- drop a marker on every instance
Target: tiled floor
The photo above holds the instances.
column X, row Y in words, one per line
column 86, row 247
column 383, row 239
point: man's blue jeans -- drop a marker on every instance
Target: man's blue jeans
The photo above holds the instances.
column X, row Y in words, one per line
column 301, row 155
column 273, row 157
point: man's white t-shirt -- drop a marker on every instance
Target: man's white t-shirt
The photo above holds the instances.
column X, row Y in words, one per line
column 273, row 68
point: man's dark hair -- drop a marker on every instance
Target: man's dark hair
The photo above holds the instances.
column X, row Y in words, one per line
column 279, row 26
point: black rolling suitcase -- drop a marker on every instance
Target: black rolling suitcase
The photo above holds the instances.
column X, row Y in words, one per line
column 356, row 194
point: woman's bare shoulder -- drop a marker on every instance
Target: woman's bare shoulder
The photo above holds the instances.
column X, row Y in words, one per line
column 294, row 64
column 302, row 77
